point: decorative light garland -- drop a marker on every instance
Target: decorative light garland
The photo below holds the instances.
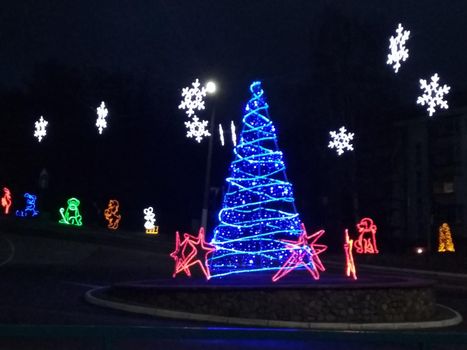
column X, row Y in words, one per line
column 192, row 251
column 221, row 134
column 233, row 132
column 71, row 215
column 6, row 200
column 30, row 209
column 112, row 215
column 258, row 211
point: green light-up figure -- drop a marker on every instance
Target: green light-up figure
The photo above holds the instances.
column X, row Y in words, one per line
column 71, row 215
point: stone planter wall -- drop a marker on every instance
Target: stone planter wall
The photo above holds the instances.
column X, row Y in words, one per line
column 377, row 304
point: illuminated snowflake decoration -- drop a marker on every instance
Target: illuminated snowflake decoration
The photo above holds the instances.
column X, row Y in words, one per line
column 197, row 129
column 40, row 130
column 433, row 94
column 102, row 113
column 341, row 140
column 193, row 98
column 397, row 46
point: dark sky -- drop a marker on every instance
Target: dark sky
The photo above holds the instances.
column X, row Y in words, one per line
column 322, row 63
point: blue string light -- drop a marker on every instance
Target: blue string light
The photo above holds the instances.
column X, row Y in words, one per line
column 258, row 209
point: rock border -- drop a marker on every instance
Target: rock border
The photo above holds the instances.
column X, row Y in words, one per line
column 91, row 298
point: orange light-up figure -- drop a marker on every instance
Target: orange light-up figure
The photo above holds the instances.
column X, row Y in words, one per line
column 366, row 242
column 350, row 269
column 445, row 239
column 6, row 200
column 191, row 251
column 304, row 253
column 111, row 214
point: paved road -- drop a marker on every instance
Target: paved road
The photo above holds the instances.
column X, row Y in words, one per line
column 43, row 279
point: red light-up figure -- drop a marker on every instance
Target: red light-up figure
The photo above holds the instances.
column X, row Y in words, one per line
column 350, row 269
column 366, row 242
column 191, row 251
column 6, row 200
column 304, row 253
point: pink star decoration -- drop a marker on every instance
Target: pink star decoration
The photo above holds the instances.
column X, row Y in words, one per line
column 191, row 251
column 304, row 252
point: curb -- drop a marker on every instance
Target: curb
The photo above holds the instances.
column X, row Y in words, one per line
column 455, row 319
column 422, row 272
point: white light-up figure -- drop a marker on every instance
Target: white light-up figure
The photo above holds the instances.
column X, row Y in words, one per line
column 102, row 113
column 398, row 51
column 341, row 140
column 150, row 224
column 221, row 134
column 40, row 128
column 234, row 133
column 433, row 94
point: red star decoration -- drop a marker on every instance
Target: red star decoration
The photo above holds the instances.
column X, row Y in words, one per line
column 193, row 250
column 304, row 252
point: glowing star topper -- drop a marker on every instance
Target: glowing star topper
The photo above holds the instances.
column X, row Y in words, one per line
column 112, row 215
column 193, row 98
column 102, row 112
column 197, row 129
column 304, row 253
column 6, row 200
column 191, row 251
column 433, row 94
column 398, row 51
column 350, row 269
column 40, row 128
column 71, row 215
column 341, row 141
column 221, row 134
column 150, row 221
column 445, row 239
column 234, row 133
column 30, row 209
column 366, row 242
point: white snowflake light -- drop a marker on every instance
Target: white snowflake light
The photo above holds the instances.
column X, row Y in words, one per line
column 221, row 134
column 397, row 46
column 193, row 98
column 233, row 132
column 102, row 113
column 433, row 94
column 197, row 129
column 341, row 141
column 40, row 128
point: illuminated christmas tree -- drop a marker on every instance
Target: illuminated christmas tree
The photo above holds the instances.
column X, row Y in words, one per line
column 258, row 211
column 445, row 239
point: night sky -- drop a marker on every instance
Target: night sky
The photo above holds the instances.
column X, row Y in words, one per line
column 322, row 64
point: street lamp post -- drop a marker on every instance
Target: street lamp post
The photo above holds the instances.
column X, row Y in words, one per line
column 210, row 89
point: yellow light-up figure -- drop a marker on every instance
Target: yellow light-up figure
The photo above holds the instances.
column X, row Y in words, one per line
column 445, row 239
column 112, row 215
